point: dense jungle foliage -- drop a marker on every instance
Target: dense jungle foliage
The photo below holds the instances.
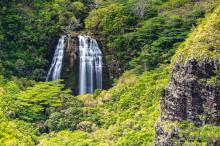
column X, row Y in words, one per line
column 29, row 28
column 139, row 38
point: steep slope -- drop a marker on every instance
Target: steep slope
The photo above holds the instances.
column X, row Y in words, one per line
column 193, row 93
column 123, row 115
column 144, row 33
column 134, row 35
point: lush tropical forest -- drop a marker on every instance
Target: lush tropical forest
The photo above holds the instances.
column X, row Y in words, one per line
column 160, row 81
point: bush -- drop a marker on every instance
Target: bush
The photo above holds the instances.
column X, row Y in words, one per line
column 17, row 132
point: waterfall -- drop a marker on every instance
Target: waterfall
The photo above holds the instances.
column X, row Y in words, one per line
column 90, row 65
column 56, row 66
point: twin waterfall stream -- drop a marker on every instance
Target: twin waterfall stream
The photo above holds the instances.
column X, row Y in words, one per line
column 56, row 66
column 90, row 67
column 90, row 64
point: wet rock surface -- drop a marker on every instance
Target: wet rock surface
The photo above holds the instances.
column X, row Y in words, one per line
column 70, row 65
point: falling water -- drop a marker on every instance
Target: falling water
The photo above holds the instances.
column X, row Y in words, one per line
column 56, row 66
column 90, row 66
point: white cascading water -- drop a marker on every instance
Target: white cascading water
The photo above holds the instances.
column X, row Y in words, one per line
column 90, row 65
column 56, row 66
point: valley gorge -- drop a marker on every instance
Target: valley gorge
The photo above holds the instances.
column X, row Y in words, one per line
column 110, row 73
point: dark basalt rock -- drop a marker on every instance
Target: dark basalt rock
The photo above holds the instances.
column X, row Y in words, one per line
column 164, row 137
column 70, row 63
column 70, row 69
column 189, row 97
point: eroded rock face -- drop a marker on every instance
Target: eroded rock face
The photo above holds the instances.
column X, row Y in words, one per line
column 189, row 97
column 70, row 69
column 164, row 136
column 70, row 65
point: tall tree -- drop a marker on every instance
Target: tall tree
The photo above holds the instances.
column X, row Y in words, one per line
column 139, row 8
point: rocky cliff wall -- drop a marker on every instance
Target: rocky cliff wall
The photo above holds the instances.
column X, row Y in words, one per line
column 189, row 96
column 70, row 69
column 70, row 64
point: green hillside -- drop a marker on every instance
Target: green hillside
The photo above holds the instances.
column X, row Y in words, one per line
column 141, row 42
column 203, row 42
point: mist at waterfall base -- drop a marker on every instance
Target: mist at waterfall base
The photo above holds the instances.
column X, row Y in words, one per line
column 57, row 62
column 90, row 65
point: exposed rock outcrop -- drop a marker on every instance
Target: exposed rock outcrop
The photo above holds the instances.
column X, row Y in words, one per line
column 189, row 97
column 70, row 65
column 70, row 70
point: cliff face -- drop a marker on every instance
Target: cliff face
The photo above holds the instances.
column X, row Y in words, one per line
column 189, row 97
column 190, row 107
column 70, row 65
column 70, row 69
